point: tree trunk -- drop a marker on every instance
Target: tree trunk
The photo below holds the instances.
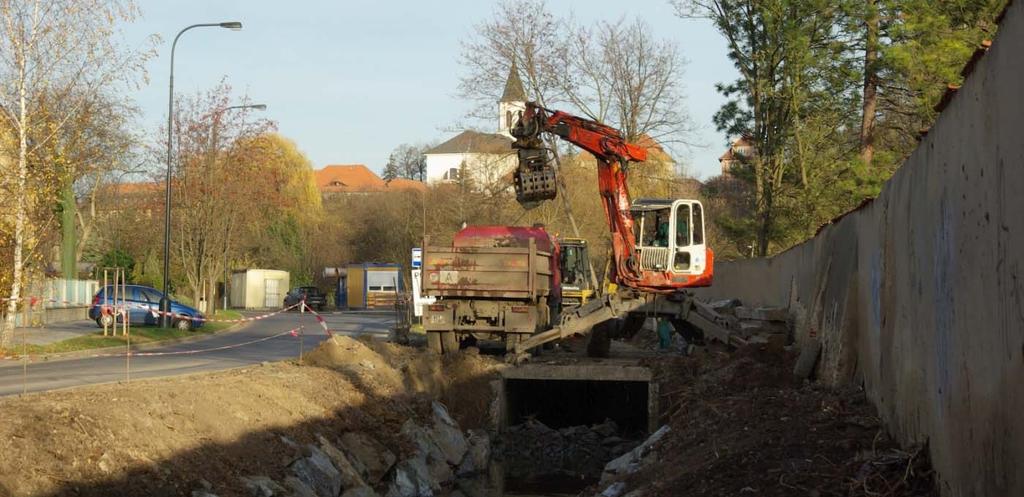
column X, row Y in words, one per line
column 20, row 211
column 765, row 228
column 68, row 238
column 867, row 127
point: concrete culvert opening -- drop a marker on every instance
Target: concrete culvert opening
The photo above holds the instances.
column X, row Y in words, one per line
column 565, row 403
column 564, row 422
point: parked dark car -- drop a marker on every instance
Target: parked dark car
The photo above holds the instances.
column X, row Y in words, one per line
column 142, row 303
column 312, row 295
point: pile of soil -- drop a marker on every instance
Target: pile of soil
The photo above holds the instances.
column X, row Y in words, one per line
column 742, row 424
column 170, row 436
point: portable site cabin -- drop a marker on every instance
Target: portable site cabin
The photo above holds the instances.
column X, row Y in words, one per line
column 259, row 288
column 369, row 285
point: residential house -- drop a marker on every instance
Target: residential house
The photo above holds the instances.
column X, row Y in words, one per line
column 357, row 179
column 742, row 149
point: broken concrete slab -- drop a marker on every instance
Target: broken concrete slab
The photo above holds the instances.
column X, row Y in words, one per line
column 725, row 307
column 350, row 476
column 318, row 473
column 360, row 492
column 298, row 488
column 630, row 461
column 750, row 327
column 447, row 435
column 411, row 479
column 478, row 456
column 808, row 359
column 776, row 314
column 368, row 456
column 262, row 486
column 432, row 455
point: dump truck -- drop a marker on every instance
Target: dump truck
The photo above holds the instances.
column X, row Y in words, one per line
column 493, row 283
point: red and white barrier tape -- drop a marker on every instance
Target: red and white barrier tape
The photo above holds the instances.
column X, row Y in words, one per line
column 156, row 313
column 35, row 300
column 295, row 332
column 319, row 319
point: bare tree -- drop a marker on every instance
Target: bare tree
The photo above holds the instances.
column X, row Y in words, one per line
column 217, row 195
column 521, row 31
column 621, row 75
column 56, row 47
column 407, row 161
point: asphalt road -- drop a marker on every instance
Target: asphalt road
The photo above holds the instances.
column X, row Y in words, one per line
column 251, row 345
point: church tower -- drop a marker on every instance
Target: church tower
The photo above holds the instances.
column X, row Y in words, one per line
column 512, row 103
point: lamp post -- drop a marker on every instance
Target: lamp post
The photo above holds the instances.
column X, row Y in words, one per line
column 213, row 134
column 165, row 301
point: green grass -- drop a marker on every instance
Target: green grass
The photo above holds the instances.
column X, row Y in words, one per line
column 215, row 327
column 139, row 335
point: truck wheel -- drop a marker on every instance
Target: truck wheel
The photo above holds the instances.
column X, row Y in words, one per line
column 600, row 339
column 434, row 342
column 449, row 342
column 632, row 324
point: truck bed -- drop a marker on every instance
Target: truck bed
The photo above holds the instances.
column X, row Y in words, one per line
column 494, row 272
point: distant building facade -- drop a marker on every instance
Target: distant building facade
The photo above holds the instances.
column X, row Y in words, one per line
column 485, row 158
column 741, row 150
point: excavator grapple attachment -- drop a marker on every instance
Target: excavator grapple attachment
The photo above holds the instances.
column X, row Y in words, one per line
column 535, row 178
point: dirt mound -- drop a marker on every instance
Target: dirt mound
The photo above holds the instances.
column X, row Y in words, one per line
column 166, row 436
column 469, row 393
column 740, row 424
column 358, row 359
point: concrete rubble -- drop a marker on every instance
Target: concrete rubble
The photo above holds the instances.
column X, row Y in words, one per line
column 534, row 448
column 611, row 483
column 357, row 465
column 631, row 461
column 751, row 321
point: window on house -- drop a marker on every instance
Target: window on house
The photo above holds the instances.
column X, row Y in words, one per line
column 452, row 174
column 508, row 119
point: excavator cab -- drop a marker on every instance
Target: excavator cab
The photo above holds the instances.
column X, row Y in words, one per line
column 669, row 236
column 574, row 267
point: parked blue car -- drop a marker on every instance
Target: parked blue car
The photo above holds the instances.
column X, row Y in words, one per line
column 141, row 302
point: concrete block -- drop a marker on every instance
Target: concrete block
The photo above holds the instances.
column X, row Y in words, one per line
column 778, row 314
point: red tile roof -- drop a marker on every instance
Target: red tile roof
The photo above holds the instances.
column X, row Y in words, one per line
column 348, row 178
column 406, row 184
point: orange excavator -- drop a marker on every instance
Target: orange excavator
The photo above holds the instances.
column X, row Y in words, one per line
column 658, row 245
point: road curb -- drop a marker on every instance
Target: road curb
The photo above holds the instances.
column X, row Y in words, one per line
column 78, row 354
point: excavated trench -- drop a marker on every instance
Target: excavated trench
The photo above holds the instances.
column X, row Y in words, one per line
column 557, row 425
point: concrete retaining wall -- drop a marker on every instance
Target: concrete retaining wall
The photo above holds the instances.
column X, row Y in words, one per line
column 920, row 294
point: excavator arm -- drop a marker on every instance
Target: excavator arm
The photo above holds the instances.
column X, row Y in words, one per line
column 535, row 181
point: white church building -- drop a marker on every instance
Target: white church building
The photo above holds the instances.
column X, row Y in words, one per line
column 484, row 158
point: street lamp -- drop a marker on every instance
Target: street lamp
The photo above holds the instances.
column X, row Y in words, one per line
column 165, row 301
column 216, row 118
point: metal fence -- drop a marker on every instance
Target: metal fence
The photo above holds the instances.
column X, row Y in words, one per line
column 55, row 300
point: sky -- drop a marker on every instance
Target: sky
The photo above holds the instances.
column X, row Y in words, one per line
column 348, row 80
